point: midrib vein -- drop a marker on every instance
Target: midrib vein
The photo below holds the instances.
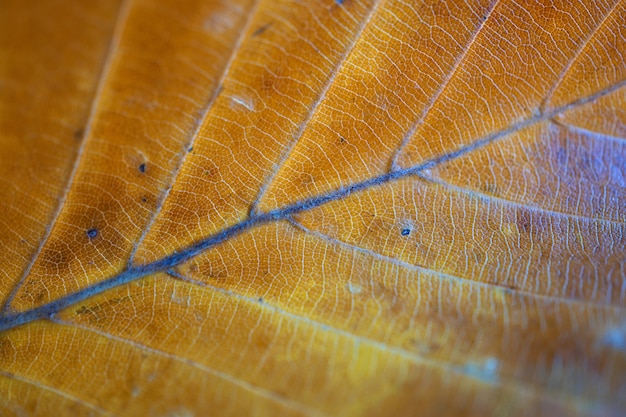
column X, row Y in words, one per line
column 132, row 273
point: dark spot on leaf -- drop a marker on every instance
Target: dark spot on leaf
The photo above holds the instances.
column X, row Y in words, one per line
column 406, row 232
column 190, row 149
column 37, row 291
column 144, row 200
column 78, row 133
column 212, row 172
column 55, row 256
column 55, row 260
column 260, row 299
column 117, row 300
column 92, row 313
column 82, row 310
column 342, row 139
column 92, row 233
column 142, row 168
column 260, row 30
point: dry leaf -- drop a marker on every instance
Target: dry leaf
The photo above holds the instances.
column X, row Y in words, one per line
column 273, row 207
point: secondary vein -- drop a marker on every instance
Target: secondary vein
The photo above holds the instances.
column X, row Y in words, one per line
column 132, row 273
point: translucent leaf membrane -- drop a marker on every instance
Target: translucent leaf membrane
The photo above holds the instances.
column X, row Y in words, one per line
column 47, row 85
column 599, row 64
column 550, row 168
column 404, row 57
column 604, row 117
column 526, row 52
column 23, row 397
column 475, row 238
column 164, row 68
column 236, row 347
column 319, row 208
column 111, row 376
column 289, row 56
column 466, row 327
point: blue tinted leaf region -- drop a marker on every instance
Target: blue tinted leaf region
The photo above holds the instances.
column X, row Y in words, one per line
column 133, row 273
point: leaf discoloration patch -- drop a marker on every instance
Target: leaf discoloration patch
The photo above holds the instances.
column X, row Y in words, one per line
column 313, row 208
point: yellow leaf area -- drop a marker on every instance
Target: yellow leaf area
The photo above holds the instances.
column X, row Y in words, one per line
column 317, row 208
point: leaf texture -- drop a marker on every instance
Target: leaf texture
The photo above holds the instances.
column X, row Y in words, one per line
column 283, row 207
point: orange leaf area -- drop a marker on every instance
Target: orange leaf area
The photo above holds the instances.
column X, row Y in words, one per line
column 316, row 208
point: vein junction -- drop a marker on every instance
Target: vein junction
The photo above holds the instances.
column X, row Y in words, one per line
column 132, row 273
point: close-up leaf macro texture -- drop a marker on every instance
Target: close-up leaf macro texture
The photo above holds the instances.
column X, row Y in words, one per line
column 313, row 208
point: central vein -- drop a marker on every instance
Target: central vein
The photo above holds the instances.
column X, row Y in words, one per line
column 133, row 273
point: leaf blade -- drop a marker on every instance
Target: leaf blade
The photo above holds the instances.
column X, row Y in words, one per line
column 445, row 284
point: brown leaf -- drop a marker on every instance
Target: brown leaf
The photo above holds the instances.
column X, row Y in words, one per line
column 258, row 207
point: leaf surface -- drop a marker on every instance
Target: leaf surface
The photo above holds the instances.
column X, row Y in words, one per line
column 313, row 208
